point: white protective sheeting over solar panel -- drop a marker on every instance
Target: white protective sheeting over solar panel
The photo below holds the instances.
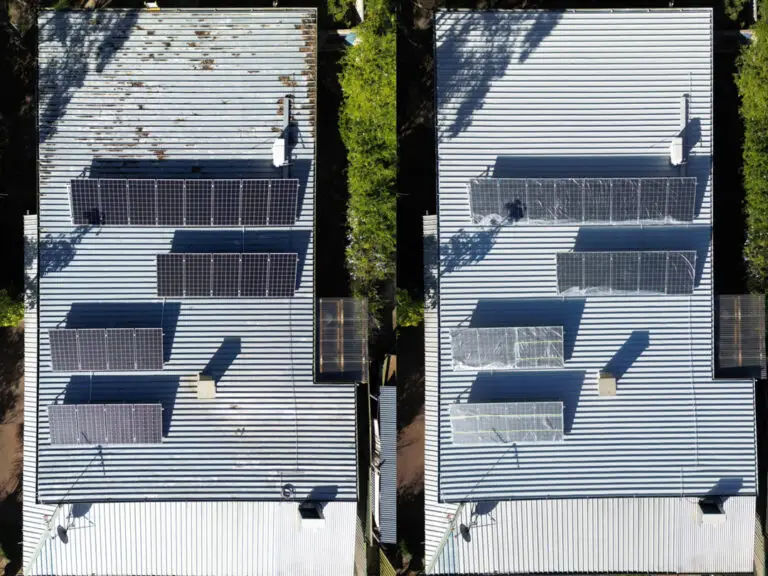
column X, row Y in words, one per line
column 93, row 424
column 624, row 273
column 509, row 348
column 186, row 94
column 549, row 201
column 506, row 422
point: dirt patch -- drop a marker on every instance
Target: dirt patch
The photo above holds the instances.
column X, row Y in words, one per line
column 410, row 457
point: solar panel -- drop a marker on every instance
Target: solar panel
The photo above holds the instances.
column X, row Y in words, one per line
column 282, row 202
column 106, row 349
column 608, row 273
column 114, row 202
column 94, row 424
column 508, row 348
column 142, row 203
column 582, row 200
column 226, row 275
column 255, row 281
column 506, row 423
column 282, row 275
column 85, row 202
column 179, row 203
column 197, row 205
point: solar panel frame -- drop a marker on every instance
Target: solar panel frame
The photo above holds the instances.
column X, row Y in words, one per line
column 657, row 200
column 184, row 203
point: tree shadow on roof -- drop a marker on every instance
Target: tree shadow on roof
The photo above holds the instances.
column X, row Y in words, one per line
column 467, row 67
column 466, row 248
column 82, row 40
column 133, row 389
column 565, row 312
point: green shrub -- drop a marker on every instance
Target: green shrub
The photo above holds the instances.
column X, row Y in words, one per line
column 11, row 310
column 752, row 82
column 733, row 9
column 368, row 125
column 410, row 311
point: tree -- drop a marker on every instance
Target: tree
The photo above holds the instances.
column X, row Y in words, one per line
column 11, row 310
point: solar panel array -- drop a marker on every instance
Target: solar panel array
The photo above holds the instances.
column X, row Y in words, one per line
column 506, row 422
column 226, row 275
column 621, row 273
column 106, row 349
column 531, row 348
column 582, row 200
column 90, row 424
column 180, row 203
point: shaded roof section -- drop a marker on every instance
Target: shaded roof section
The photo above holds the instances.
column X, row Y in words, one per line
column 582, row 94
column 185, row 94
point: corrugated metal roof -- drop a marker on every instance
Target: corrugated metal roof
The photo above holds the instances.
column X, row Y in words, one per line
column 185, row 93
column 197, row 538
column 388, row 497
column 583, row 93
column 611, row 535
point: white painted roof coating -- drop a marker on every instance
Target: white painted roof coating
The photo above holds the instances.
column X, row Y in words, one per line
column 192, row 94
column 586, row 93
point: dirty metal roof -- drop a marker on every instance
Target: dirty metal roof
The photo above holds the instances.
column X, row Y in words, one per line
column 185, row 94
column 579, row 94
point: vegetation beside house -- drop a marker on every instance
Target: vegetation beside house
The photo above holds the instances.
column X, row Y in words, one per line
column 368, row 126
column 752, row 82
column 11, row 310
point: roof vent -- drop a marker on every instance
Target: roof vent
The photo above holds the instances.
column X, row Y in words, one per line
column 311, row 514
column 206, row 387
column 676, row 157
column 278, row 152
column 711, row 509
column 606, row 384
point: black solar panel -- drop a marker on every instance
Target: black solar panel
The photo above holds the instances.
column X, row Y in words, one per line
column 92, row 424
column 197, row 203
column 226, row 275
column 282, row 202
column 85, row 202
column 254, row 276
column 178, row 203
column 142, row 203
column 226, row 202
column 114, row 202
column 170, row 275
column 282, row 275
column 255, row 202
column 197, row 275
column 170, row 203
column 121, row 349
column 106, row 349
column 64, row 355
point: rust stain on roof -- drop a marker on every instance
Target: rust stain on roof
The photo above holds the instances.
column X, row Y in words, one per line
column 287, row 81
column 202, row 33
column 206, row 64
column 137, row 84
column 160, row 154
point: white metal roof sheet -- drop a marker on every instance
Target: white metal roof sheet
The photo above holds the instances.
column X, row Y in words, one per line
column 192, row 94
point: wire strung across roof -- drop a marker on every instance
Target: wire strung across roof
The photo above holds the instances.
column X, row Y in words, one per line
column 544, row 201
